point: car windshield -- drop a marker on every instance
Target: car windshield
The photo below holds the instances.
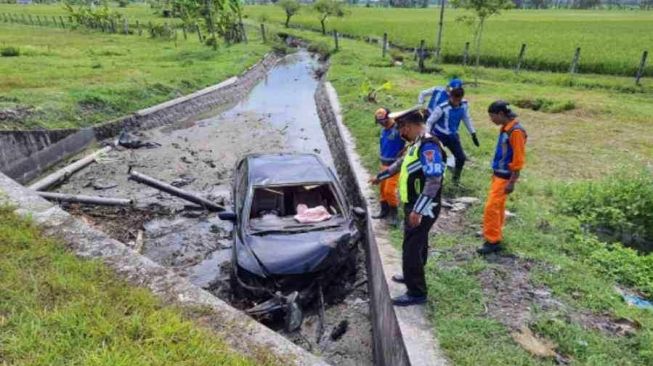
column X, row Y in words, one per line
column 294, row 208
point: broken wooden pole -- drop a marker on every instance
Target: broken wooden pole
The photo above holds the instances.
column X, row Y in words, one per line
column 90, row 200
column 65, row 172
column 165, row 187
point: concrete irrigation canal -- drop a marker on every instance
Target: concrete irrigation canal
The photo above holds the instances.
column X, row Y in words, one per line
column 193, row 143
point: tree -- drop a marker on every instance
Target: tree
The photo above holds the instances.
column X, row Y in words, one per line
column 482, row 9
column 291, row 7
column 326, row 8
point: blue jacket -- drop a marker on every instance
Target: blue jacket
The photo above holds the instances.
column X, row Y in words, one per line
column 445, row 119
column 438, row 96
column 390, row 145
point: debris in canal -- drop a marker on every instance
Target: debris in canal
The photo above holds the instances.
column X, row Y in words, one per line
column 339, row 330
column 89, row 200
column 65, row 172
column 165, row 187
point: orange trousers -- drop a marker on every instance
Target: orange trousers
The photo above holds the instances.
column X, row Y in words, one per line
column 495, row 210
column 388, row 189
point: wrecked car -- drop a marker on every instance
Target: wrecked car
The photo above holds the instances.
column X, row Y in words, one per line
column 294, row 232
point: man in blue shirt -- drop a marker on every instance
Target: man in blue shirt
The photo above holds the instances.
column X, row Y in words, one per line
column 391, row 145
column 444, row 122
column 420, row 188
column 438, row 94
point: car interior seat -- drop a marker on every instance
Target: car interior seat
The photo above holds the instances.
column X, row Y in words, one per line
column 267, row 201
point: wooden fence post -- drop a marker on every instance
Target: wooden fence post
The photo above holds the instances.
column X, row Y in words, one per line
column 54, row 21
column 335, row 38
column 199, row 33
column 243, row 32
column 520, row 58
column 125, row 26
column 263, row 36
column 642, row 65
column 138, row 28
column 385, row 44
column 574, row 63
column 183, row 30
column 63, row 26
column 421, row 55
column 151, row 29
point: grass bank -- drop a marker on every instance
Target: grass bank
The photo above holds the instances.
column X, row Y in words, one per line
column 551, row 35
column 64, row 78
column 556, row 279
column 56, row 309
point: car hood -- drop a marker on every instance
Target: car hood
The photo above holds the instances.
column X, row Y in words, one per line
column 295, row 253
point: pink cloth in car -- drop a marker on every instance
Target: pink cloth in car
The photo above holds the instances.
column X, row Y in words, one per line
column 307, row 215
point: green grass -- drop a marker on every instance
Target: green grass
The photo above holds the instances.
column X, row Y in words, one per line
column 611, row 42
column 56, row 309
column 79, row 78
column 607, row 129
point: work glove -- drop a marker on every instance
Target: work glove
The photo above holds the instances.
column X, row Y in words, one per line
column 475, row 139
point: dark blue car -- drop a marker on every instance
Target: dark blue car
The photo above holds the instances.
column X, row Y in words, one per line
column 277, row 255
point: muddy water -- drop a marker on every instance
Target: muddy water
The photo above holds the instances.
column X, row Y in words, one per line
column 279, row 115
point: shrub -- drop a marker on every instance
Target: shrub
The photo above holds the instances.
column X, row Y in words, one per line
column 623, row 264
column 545, row 105
column 321, row 48
column 619, row 208
column 10, row 51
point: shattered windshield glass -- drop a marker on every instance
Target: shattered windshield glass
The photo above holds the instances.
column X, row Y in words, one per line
column 295, row 208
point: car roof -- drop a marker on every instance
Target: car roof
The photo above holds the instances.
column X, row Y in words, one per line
column 275, row 169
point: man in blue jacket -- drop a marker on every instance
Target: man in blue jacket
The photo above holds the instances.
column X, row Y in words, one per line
column 444, row 122
column 438, row 94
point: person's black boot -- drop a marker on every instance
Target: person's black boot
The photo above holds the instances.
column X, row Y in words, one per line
column 384, row 211
column 392, row 217
column 398, row 278
column 456, row 175
column 489, row 248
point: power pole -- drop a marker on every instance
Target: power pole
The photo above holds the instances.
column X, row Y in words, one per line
column 439, row 39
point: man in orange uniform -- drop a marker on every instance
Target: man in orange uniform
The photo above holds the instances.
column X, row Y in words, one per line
column 391, row 146
column 509, row 159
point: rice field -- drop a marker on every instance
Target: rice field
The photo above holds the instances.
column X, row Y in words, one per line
column 611, row 41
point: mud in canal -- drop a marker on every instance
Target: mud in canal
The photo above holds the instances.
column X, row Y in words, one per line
column 198, row 155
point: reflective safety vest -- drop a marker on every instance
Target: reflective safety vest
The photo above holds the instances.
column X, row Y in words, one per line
column 411, row 178
column 503, row 152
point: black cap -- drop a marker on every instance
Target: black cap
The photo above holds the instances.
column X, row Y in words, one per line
column 499, row 106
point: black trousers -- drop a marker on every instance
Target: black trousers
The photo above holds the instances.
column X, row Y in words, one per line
column 452, row 142
column 415, row 251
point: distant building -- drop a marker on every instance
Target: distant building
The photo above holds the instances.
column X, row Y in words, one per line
column 24, row 2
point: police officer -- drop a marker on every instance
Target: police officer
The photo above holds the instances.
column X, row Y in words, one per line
column 391, row 146
column 420, row 187
column 444, row 121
